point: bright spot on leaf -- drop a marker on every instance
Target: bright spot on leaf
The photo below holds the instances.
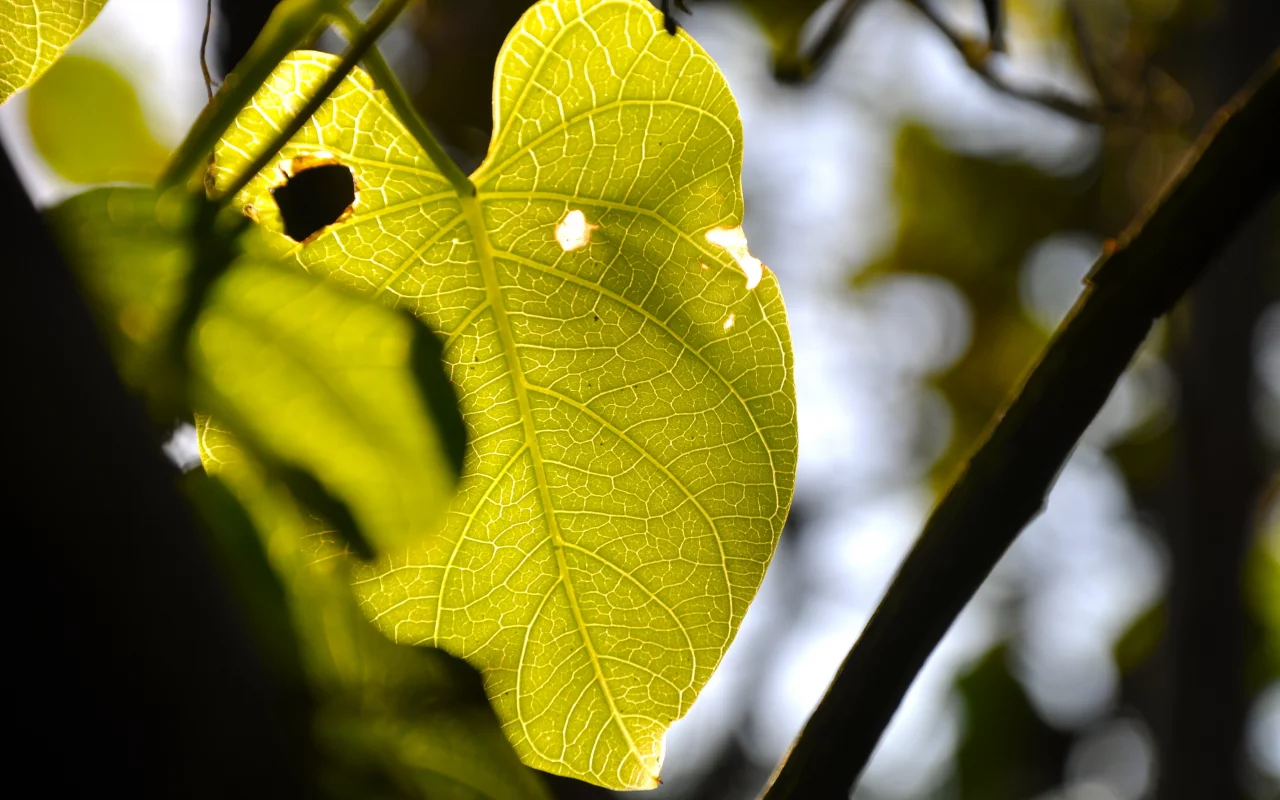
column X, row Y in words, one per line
column 728, row 323
column 734, row 241
column 573, row 232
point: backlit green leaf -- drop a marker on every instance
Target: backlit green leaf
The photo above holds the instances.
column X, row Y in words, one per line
column 33, row 33
column 323, row 380
column 391, row 721
column 623, row 362
column 783, row 21
column 312, row 377
column 129, row 250
column 87, row 124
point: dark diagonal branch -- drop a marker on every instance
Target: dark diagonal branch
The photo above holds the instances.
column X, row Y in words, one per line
column 1235, row 167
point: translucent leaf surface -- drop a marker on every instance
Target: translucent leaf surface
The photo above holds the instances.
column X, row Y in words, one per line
column 624, row 366
column 88, row 125
column 33, row 33
column 313, row 377
column 391, row 721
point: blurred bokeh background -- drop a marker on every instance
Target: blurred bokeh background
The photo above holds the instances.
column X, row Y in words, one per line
column 930, row 208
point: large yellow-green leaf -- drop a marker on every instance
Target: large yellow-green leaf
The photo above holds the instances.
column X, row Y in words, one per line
column 315, row 378
column 33, row 33
column 624, row 368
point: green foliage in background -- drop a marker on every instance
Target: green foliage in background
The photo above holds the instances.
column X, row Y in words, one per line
column 972, row 221
column 87, row 124
column 626, row 380
column 783, row 21
column 389, row 721
column 1007, row 751
column 315, row 379
column 33, row 33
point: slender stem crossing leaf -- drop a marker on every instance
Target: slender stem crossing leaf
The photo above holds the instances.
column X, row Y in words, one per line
column 623, row 363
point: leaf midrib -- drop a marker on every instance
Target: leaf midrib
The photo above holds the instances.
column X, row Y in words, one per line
column 493, row 290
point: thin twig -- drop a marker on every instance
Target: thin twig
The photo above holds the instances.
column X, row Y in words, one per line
column 977, row 55
column 993, row 10
column 1089, row 58
column 379, row 21
column 386, row 80
column 204, row 49
column 1234, row 169
column 820, row 53
column 289, row 24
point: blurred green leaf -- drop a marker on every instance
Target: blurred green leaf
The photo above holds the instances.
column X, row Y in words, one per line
column 130, row 250
column 1008, row 752
column 87, row 124
column 1262, row 582
column 311, row 377
column 33, row 33
column 392, row 721
column 783, row 22
column 239, row 551
column 1141, row 638
column 972, row 220
column 324, row 380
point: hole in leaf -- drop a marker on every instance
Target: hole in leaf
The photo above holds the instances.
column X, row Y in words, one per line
column 573, row 232
column 316, row 195
column 734, row 242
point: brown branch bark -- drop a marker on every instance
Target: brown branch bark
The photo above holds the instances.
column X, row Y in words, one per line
column 1234, row 168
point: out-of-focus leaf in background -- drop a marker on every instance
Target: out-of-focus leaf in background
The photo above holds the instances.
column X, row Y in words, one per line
column 130, row 252
column 783, row 22
column 972, row 221
column 392, row 721
column 33, row 33
column 1008, row 752
column 326, row 380
column 311, row 376
column 1263, row 585
column 89, row 126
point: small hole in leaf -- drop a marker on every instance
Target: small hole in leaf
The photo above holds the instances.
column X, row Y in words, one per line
column 315, row 196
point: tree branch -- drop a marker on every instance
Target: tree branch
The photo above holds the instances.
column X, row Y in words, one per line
column 821, row 51
column 977, row 55
column 1235, row 167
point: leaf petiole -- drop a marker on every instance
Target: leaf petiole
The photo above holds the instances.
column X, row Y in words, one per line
column 379, row 21
column 386, row 80
column 290, row 24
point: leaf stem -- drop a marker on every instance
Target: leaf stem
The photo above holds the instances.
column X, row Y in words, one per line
column 379, row 21
column 1234, row 169
column 386, row 79
column 287, row 27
